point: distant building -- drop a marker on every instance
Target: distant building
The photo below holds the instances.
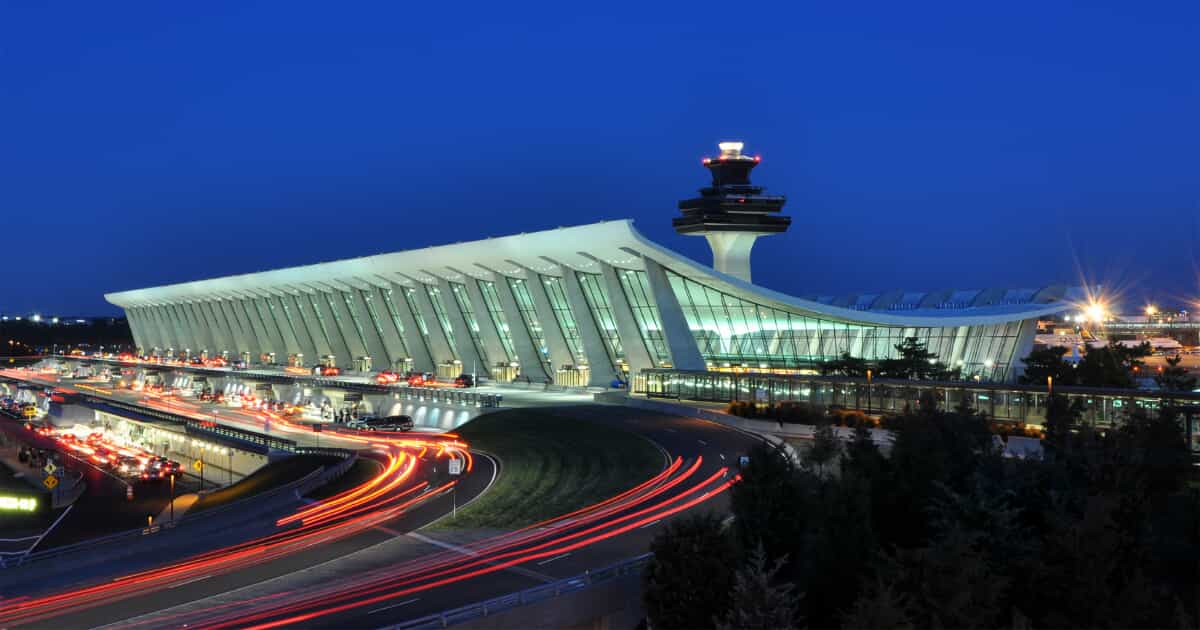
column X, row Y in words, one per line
column 584, row 305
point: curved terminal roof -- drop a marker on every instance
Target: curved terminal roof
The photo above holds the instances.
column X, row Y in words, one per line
column 618, row 243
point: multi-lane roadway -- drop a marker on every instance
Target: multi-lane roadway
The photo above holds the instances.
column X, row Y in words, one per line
column 356, row 560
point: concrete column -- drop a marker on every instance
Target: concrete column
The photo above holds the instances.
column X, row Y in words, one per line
column 241, row 340
column 275, row 338
column 221, row 330
column 375, row 346
column 489, row 336
column 261, row 336
column 337, row 338
column 528, row 353
column 136, row 328
column 602, row 371
column 685, row 354
column 556, row 341
column 165, row 332
column 731, row 252
column 179, row 334
column 206, row 338
column 291, row 341
column 300, row 331
column 422, row 356
column 636, row 354
column 354, row 340
column 439, row 345
column 196, row 336
column 307, row 317
column 464, row 345
column 393, row 343
column 251, row 341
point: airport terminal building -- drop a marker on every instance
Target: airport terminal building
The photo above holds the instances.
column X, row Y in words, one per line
column 581, row 306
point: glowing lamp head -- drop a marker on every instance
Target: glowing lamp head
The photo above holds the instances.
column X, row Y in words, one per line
column 731, row 150
column 1095, row 312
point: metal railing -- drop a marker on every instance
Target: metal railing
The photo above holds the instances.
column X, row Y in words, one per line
column 447, row 618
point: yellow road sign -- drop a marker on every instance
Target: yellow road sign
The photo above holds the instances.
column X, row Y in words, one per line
column 50, row 482
column 198, row 464
column 50, row 468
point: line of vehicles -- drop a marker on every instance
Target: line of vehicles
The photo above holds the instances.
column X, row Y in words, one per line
column 386, row 423
column 18, row 409
column 128, row 462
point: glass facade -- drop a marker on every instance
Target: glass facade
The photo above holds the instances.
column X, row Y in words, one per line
column 338, row 326
column 395, row 315
column 492, row 301
column 468, row 313
column 312, row 300
column 566, row 319
column 645, row 312
column 348, row 300
column 529, row 316
column 732, row 332
column 597, row 300
column 439, row 310
column 410, row 298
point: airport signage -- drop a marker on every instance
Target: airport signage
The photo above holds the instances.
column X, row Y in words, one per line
column 455, row 466
column 9, row 503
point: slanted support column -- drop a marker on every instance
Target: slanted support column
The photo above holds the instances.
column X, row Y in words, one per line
column 685, row 354
column 556, row 342
column 462, row 334
column 488, row 335
column 528, row 354
column 391, row 338
column 342, row 352
column 136, row 328
column 636, row 353
column 221, row 332
column 302, row 327
column 421, row 355
column 242, row 336
column 439, row 346
column 601, row 369
column 375, row 347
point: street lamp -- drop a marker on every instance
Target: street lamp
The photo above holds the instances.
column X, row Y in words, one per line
column 868, row 392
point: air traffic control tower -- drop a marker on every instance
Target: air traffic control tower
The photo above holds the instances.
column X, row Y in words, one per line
column 732, row 213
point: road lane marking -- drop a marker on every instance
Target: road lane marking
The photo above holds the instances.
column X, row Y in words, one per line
column 558, row 557
column 722, row 456
column 650, row 524
column 415, row 599
column 202, row 577
column 702, row 442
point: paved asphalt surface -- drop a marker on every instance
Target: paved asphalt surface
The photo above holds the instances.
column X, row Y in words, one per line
column 387, row 574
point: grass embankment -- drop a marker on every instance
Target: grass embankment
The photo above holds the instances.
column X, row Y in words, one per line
column 270, row 476
column 551, row 464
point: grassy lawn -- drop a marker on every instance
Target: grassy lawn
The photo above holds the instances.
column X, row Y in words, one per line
column 550, row 464
column 270, row 476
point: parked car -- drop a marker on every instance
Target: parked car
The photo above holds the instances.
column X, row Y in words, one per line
column 464, row 380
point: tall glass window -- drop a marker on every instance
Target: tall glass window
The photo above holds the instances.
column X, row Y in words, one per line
column 597, row 299
column 566, row 319
column 468, row 313
column 362, row 338
column 410, row 298
column 529, row 316
column 439, row 309
column 731, row 330
column 637, row 291
column 492, row 301
column 366, row 296
column 312, row 300
column 395, row 315
column 337, row 320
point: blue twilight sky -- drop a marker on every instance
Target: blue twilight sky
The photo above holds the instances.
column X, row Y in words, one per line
column 921, row 145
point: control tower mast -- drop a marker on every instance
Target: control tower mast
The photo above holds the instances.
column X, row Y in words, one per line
column 732, row 213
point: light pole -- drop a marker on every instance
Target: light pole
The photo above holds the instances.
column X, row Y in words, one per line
column 172, row 498
column 868, row 392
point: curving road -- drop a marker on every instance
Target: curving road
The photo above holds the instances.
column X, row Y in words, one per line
column 356, row 561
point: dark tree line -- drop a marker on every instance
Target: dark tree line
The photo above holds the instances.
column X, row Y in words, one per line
column 1114, row 365
column 913, row 361
column 1103, row 532
column 30, row 337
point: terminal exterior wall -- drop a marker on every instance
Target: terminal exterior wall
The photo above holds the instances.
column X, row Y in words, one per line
column 577, row 306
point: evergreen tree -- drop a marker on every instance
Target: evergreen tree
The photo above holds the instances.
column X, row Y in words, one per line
column 770, row 506
column 760, row 599
column 688, row 582
column 825, row 448
column 914, row 361
column 1048, row 362
column 1173, row 378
